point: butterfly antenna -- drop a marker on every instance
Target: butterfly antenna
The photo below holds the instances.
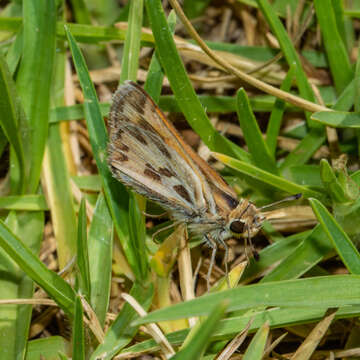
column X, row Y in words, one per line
column 289, row 198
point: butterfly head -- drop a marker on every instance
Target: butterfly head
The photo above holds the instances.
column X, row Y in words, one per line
column 245, row 220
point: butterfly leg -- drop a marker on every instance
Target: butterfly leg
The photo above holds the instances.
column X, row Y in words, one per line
column 165, row 228
column 222, row 242
column 155, row 216
column 252, row 248
column 212, row 243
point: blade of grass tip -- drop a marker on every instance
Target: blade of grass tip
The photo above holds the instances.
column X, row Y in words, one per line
column 82, row 256
column 155, row 75
column 342, row 243
column 34, row 78
column 181, row 86
column 78, row 336
column 338, row 119
column 196, row 347
column 331, row 183
column 256, row 347
column 121, row 332
column 336, row 52
column 115, row 193
column 252, row 134
column 10, row 124
column 100, row 243
column 266, row 177
column 274, row 124
column 130, row 59
column 13, row 55
column 56, row 287
column 290, row 54
column 309, row 345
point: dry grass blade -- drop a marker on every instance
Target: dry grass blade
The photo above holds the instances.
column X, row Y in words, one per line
column 306, row 349
column 274, row 344
column 235, row 343
column 92, row 321
column 153, row 329
column 185, row 269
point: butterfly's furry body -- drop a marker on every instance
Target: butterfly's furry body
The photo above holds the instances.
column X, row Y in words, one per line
column 147, row 154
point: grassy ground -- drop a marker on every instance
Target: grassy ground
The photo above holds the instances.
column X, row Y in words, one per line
column 268, row 93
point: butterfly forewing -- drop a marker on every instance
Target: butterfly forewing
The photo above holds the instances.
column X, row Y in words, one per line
column 147, row 154
column 141, row 158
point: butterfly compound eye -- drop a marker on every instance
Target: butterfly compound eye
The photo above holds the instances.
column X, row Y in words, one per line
column 237, row 227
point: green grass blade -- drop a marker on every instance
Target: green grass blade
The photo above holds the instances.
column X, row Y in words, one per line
column 155, row 76
column 122, row 331
column 130, row 59
column 49, row 347
column 10, row 110
column 100, row 244
column 338, row 119
column 331, row 183
column 201, row 337
column 81, row 12
column 304, row 151
column 59, row 196
column 256, row 348
column 195, row 9
column 272, row 254
column 316, row 292
column 266, row 177
column 35, row 77
column 289, row 52
column 54, row 285
column 315, row 138
column 253, row 136
column 343, row 245
column 82, row 256
column 137, row 235
column 335, row 48
column 29, row 228
column 13, row 56
column 55, row 175
column 24, row 202
column 306, row 175
column 78, row 336
column 181, row 86
column 274, row 124
column 115, row 192
column 357, row 95
column 304, row 257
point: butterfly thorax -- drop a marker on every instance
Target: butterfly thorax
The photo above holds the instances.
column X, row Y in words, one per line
column 244, row 220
